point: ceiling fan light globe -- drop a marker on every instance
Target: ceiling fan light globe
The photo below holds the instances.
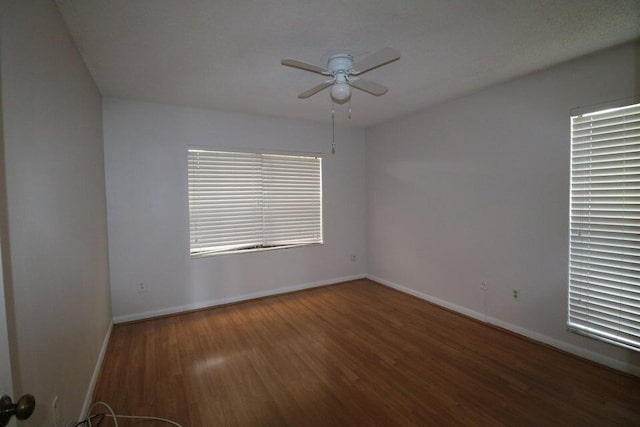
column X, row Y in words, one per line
column 340, row 92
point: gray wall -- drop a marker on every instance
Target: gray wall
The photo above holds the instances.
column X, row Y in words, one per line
column 146, row 174
column 478, row 189
column 55, row 192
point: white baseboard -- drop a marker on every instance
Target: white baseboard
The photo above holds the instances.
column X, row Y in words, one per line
column 96, row 373
column 228, row 300
column 561, row 345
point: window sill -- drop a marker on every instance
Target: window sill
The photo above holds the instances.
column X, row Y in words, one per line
column 249, row 250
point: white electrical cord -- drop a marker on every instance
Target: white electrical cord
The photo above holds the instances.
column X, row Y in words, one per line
column 113, row 414
column 137, row 417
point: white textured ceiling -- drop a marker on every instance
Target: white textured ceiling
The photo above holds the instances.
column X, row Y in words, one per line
column 226, row 54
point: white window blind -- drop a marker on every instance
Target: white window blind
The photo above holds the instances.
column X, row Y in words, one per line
column 604, row 258
column 251, row 201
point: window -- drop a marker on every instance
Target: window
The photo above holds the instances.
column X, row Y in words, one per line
column 604, row 254
column 249, row 201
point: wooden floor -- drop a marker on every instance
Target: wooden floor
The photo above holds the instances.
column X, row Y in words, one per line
column 352, row 354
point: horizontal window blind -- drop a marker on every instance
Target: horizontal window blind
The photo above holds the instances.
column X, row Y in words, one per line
column 604, row 255
column 292, row 200
column 246, row 201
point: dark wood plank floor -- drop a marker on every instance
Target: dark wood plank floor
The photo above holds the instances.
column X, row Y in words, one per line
column 352, row 354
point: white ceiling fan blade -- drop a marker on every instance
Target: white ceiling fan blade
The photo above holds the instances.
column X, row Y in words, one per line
column 304, row 66
column 375, row 60
column 315, row 89
column 369, row 86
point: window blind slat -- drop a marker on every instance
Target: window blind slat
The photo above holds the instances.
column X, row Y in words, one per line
column 605, row 300
column 628, row 322
column 597, row 254
column 619, row 143
column 599, row 116
column 606, row 262
column 586, row 229
column 617, row 152
column 618, row 125
column 614, row 324
column 614, row 136
column 606, row 122
column 619, row 179
column 589, row 285
column 604, row 241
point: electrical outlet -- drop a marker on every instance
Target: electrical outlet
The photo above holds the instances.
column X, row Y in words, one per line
column 354, row 258
column 516, row 294
column 483, row 285
column 55, row 412
column 141, row 287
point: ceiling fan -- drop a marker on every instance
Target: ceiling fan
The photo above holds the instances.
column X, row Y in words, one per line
column 344, row 73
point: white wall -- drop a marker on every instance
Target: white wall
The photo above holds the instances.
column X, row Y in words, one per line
column 55, row 193
column 478, row 189
column 146, row 174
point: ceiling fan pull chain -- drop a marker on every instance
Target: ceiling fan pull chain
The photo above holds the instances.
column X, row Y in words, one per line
column 333, row 128
column 349, row 108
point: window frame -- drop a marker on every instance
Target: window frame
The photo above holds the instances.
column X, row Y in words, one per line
column 206, row 254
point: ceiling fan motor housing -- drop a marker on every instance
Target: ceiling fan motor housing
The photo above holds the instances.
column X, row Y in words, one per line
column 340, row 66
